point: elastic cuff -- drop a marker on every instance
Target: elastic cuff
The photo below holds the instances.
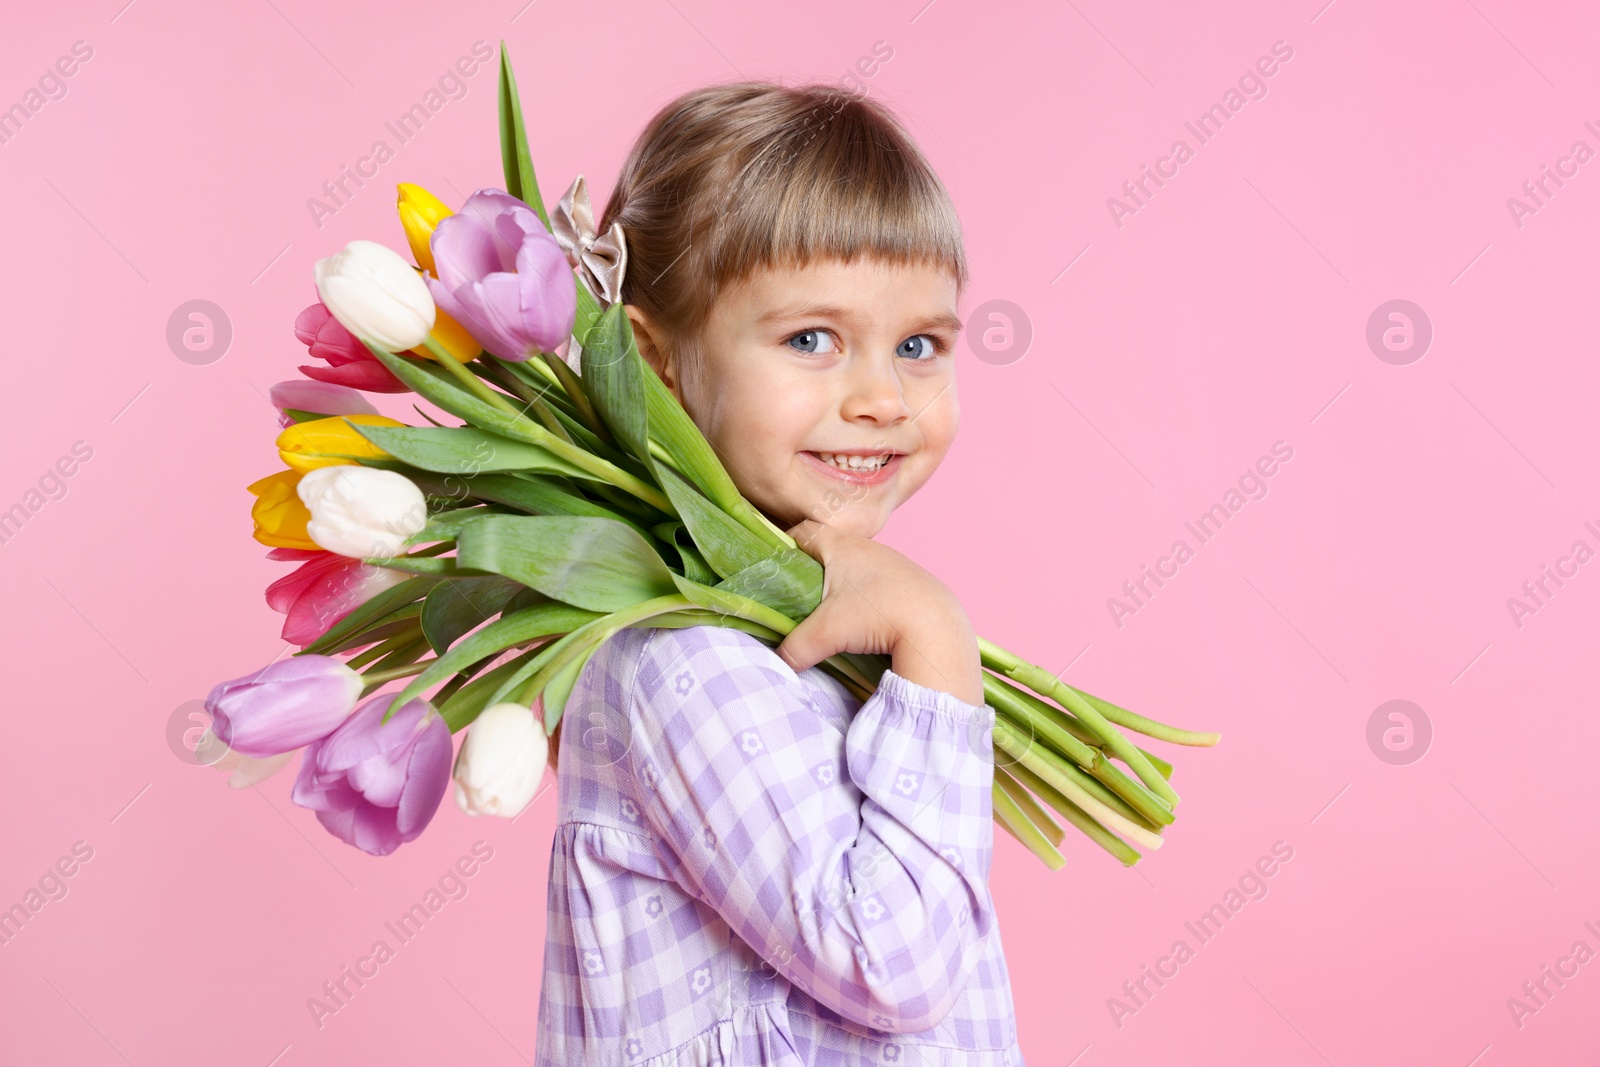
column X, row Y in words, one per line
column 904, row 691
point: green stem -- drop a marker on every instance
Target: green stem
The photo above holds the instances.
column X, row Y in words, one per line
column 374, row 678
column 1123, row 802
column 1035, row 811
column 523, row 428
column 1030, row 725
column 1014, row 819
column 1041, row 681
column 572, row 385
column 1078, row 817
column 382, row 648
column 404, row 656
column 1071, row 724
column 471, row 381
column 659, row 451
column 525, row 392
column 1150, row 727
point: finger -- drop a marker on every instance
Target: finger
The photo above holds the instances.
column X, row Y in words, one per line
column 812, row 536
column 808, row 644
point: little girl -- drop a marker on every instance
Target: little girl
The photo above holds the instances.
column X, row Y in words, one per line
column 750, row 865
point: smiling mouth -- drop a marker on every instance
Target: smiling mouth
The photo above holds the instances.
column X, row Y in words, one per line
column 868, row 470
column 846, row 461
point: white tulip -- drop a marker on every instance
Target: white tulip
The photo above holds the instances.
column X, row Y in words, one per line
column 501, row 762
column 377, row 295
column 362, row 512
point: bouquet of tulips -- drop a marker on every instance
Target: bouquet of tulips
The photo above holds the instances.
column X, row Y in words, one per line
column 485, row 560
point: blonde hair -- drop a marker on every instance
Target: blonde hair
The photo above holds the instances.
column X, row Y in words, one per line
column 729, row 179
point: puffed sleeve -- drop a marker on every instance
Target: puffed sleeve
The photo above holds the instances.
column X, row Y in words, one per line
column 855, row 861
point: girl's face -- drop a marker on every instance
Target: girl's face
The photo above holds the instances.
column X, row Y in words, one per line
column 802, row 369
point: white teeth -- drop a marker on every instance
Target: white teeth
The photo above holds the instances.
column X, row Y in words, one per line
column 854, row 463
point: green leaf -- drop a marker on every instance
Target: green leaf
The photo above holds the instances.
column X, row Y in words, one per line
column 537, row 672
column 393, row 624
column 437, row 566
column 444, row 392
column 465, row 450
column 541, row 620
column 559, row 687
column 727, row 546
column 676, row 433
column 371, row 613
column 463, row 706
column 518, row 163
column 435, row 385
column 598, row 564
column 444, row 525
column 539, row 495
column 458, row 607
column 728, row 602
column 694, row 565
column 425, row 415
column 588, row 312
column 782, row 581
column 527, row 598
column 613, row 376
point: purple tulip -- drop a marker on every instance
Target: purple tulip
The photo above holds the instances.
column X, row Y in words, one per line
column 375, row 784
column 284, row 705
column 503, row 276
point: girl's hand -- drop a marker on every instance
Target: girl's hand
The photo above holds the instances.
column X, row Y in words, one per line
column 875, row 600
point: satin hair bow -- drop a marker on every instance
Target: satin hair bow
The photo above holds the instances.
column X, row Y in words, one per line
column 599, row 259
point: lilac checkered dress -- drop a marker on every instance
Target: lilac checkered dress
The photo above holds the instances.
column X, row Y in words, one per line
column 754, row 867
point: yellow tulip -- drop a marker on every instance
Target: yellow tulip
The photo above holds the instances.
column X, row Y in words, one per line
column 420, row 212
column 452, row 337
column 279, row 515
column 329, row 442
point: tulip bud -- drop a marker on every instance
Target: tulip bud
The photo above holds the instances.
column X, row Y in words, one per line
column 453, row 337
column 279, row 515
column 499, row 273
column 501, row 762
column 349, row 361
column 320, row 398
column 420, row 212
column 328, row 442
column 362, row 512
column 376, row 295
column 375, row 784
column 283, row 706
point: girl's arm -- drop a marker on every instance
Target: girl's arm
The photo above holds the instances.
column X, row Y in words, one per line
column 855, row 863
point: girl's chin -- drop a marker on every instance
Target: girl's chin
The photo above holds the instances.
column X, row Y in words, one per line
column 851, row 518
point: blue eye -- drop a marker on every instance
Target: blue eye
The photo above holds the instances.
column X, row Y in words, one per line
column 930, row 347
column 809, row 341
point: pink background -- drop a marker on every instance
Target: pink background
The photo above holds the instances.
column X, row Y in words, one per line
column 1227, row 314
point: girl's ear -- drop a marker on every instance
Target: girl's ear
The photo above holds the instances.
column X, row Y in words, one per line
column 648, row 340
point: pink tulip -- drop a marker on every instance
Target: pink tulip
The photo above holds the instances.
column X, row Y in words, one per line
column 349, row 361
column 374, row 784
column 284, row 705
column 503, row 277
column 320, row 397
column 322, row 590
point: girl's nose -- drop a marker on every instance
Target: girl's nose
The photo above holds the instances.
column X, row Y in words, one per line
column 873, row 393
